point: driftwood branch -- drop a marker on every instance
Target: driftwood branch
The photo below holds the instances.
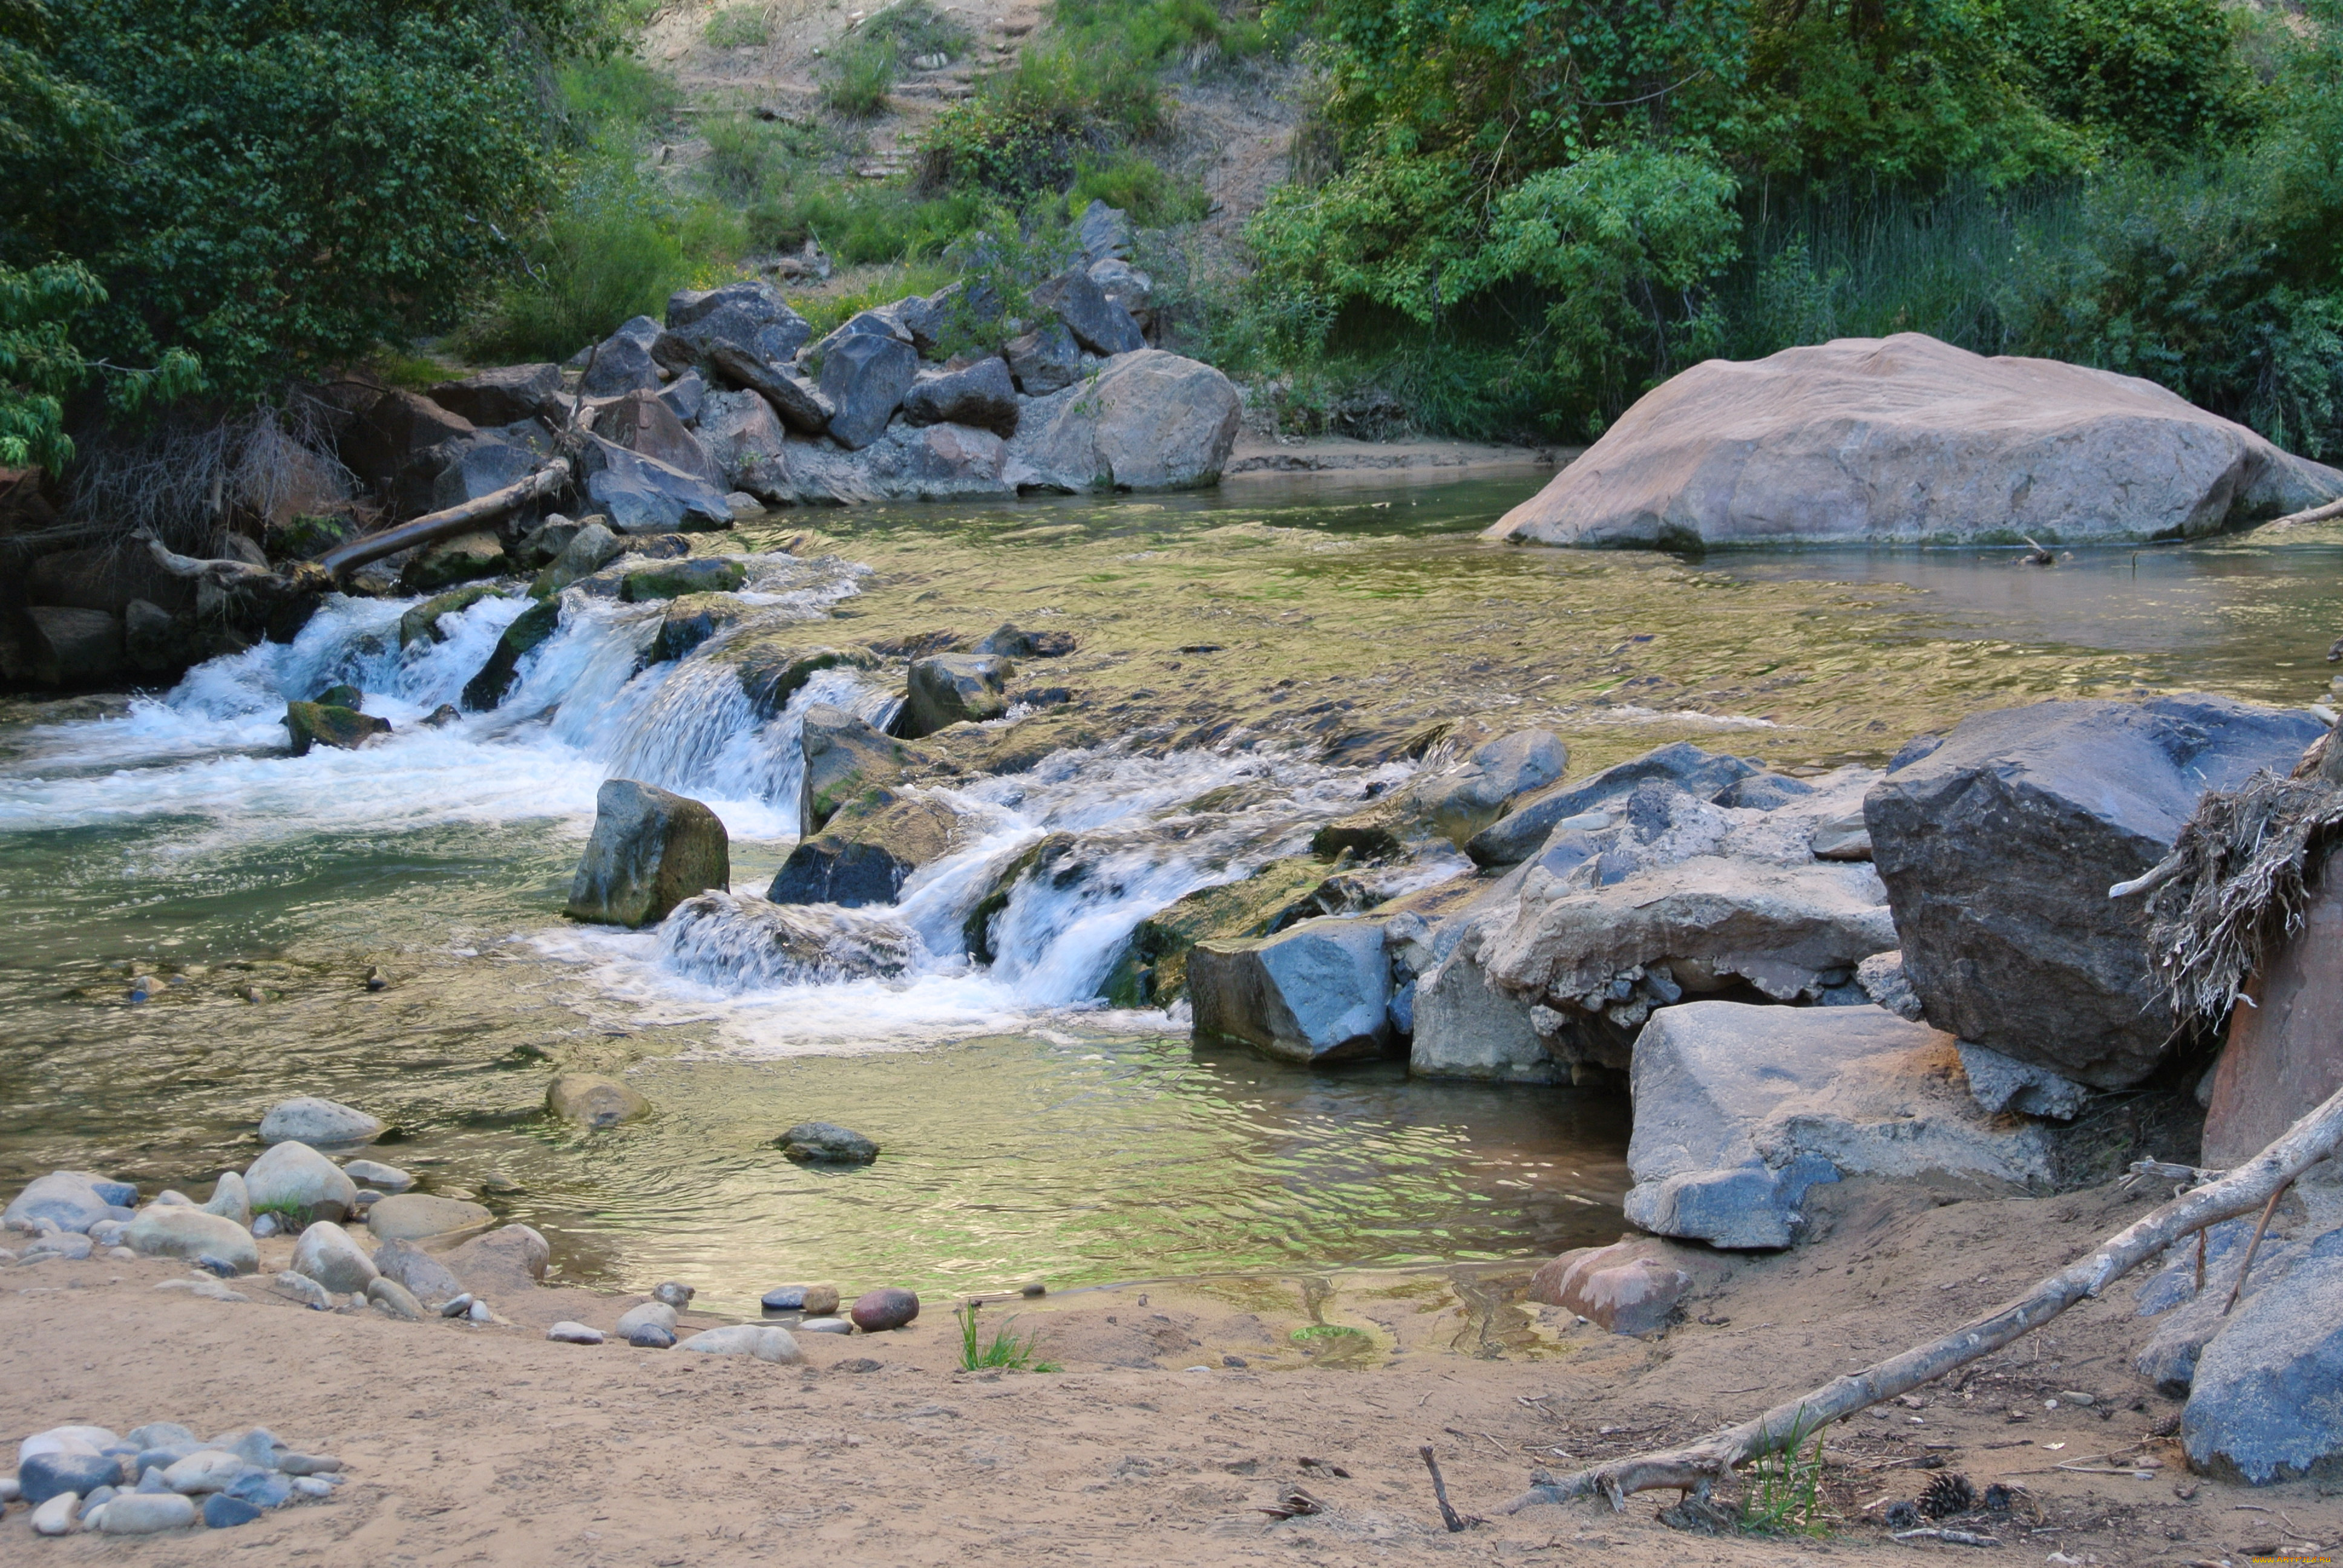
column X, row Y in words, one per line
column 2315, row 514
column 220, row 573
column 1697, row 1466
column 433, row 526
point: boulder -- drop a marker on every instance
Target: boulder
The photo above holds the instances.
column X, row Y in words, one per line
column 773, row 664
column 63, row 1198
column 889, row 1307
column 467, row 557
column 795, row 401
column 1459, row 803
column 1098, row 323
column 1317, row 991
column 865, row 376
column 2262, row 1407
column 825, row 1143
column 42, row 1477
column 1123, row 285
column 1010, row 643
column 327, row 1254
column 952, row 688
column 643, row 424
column 146, row 1514
column 480, row 463
column 685, row 396
column 292, row 1177
column 1912, row 440
column 867, row 851
column 1468, row 1027
column 674, row 579
column 764, row 1342
column 321, row 1124
column 2191, row 1317
column 749, row 317
column 743, row 439
column 505, row 396
column 1523, row 832
column 589, row 550
column 1739, row 1109
column 155, row 640
column 1998, row 846
column 622, row 362
column 1999, row 1083
column 178, row 1230
column 390, row 430
column 422, row 622
column 591, row 1099
column 425, row 1278
column 521, row 636
column 411, row 1216
column 2285, row 1053
column 76, row 647
column 925, row 318
column 506, row 1261
column 691, row 620
column 1624, row 1288
column 1044, row 360
column 1151, row 421
column 644, row 496
column 650, row 850
column 844, row 757
column 308, row 724
column 1104, row 231
column 981, row 396
column 1153, row 969
column 908, row 462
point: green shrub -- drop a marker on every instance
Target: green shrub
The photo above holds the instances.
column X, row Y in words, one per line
column 919, row 31
column 615, row 99
column 856, row 80
column 739, row 27
column 1154, row 198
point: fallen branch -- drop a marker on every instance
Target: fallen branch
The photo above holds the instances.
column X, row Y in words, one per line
column 1694, row 1468
column 220, row 573
column 1448, row 1514
column 433, row 526
column 2315, row 514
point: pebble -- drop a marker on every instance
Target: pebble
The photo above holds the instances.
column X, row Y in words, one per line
column 889, row 1307
column 497, row 1181
column 478, row 1312
column 309, row 1464
column 826, row 1326
column 2074, row 1396
column 569, row 1333
column 205, row 1469
column 222, row 1511
column 141, row 987
column 57, row 1516
column 816, row 1301
column 376, row 979
column 313, row 1486
column 457, row 1306
column 9, row 1491
column 1033, row 1288
column 122, row 1254
column 376, row 1174
column 265, row 1227
column 390, row 1296
column 146, row 1512
column 674, row 1293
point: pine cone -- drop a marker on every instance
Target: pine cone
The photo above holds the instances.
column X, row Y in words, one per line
column 1948, row 1495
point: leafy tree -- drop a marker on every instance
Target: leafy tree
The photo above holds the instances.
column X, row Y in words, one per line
column 40, row 368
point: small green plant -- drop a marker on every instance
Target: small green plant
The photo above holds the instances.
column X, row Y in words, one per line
column 739, row 27
column 1783, row 1492
column 857, row 79
column 919, row 31
column 1336, row 1333
column 1006, row 1349
column 289, row 1216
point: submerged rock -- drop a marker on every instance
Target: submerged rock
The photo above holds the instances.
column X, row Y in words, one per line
column 1318, row 991
column 696, row 575
column 308, row 724
column 528, row 630
column 592, row 1100
column 826, row 1144
column 1998, row 848
column 650, row 850
column 751, row 943
column 413, row 1215
column 423, row 620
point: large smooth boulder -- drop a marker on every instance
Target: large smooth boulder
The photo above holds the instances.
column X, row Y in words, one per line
column 1908, row 439
column 321, row 1124
column 650, row 850
column 1998, row 846
column 983, row 396
column 327, row 1254
column 1461, row 801
column 182, row 1231
column 2264, row 1404
column 1523, row 831
column 641, row 495
column 425, row 1278
column 1741, row 1108
column 63, row 1198
column 953, row 688
column 1318, row 992
column 511, row 1259
column 1098, row 323
column 505, row 396
column 844, row 757
column 2284, row 1053
column 865, row 376
column 411, row 1216
column 293, row 1178
column 1151, row 421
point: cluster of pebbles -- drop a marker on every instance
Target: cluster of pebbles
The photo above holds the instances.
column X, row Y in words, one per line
column 651, row 1325
column 159, row 1477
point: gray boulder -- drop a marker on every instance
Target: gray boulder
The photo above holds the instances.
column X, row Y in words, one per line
column 1317, row 991
column 622, row 362
column 1910, row 439
column 750, row 316
column 1104, row 231
column 505, row 396
column 685, row 396
column 293, row 1177
column 321, row 1124
column 795, row 401
column 691, row 620
column 643, row 424
column 63, row 1198
column 650, row 850
column 478, row 465
column 74, row 647
column 179, row 1231
column 1150, row 421
column 2191, row 1318
column 844, row 757
column 590, row 549
column 1044, row 360
column 1520, row 834
column 1462, row 801
column 983, row 396
column 1467, row 1026
column 1740, row 1109
column 1998, row 846
column 641, row 495
column 2263, row 1405
column 744, row 439
column 325, row 1253
column 953, row 688
column 521, row 636
column 511, row 1261
column 908, row 462
column 1998, row 1082
column 868, row 849
column 865, row 376
column 1123, row 285
column 924, row 318
column 1098, row 323
column 750, row 942
column 426, row 1277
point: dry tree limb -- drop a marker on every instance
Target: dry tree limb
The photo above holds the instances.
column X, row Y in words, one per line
column 2252, row 1246
column 1694, row 1468
column 433, row 526
column 2315, row 514
column 220, row 573
column 1448, row 1514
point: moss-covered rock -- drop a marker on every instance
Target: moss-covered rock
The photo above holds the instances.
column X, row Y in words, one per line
column 774, row 663
column 324, row 724
column 1153, row 969
column 672, row 580
column 844, row 758
column 589, row 550
column 463, row 559
column 423, row 620
column 868, row 850
column 343, row 695
column 532, row 627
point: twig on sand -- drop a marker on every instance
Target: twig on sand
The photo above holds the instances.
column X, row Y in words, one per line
column 1455, row 1522
column 2253, row 1245
column 1697, row 1467
column 1950, row 1537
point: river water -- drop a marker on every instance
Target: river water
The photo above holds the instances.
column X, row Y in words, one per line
column 1028, row 1132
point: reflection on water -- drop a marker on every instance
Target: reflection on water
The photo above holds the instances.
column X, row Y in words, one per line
column 1026, row 1135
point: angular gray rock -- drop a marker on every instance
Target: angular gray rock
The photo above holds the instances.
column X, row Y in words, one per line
column 424, row 1276
column 685, row 396
column 507, row 1262
column 1150, row 421
column 1098, row 323
column 1044, row 360
column 743, row 439
column 1123, row 285
column 622, row 362
column 644, row 424
column 953, row 688
column 2262, row 1407
column 1999, row 1083
column 641, row 495
column 319, row 1123
column 751, row 317
column 797, row 402
column 478, row 465
column 589, row 550
column 1741, row 1108
column 1910, row 439
column 843, row 758
column 1521, row 833
column 1104, row 231
column 908, row 462
column 981, row 396
column 826, row 1144
column 1316, row 992
column 1464, row 799
column 1467, row 1027
column 865, row 376
column 1998, row 846
column 650, row 850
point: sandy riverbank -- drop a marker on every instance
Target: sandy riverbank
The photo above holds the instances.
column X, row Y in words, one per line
column 1257, row 454
column 491, row 1445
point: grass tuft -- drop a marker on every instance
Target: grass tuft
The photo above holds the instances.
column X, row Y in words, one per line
column 1005, row 1350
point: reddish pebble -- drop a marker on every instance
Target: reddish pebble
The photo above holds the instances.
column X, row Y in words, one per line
column 881, row 1310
